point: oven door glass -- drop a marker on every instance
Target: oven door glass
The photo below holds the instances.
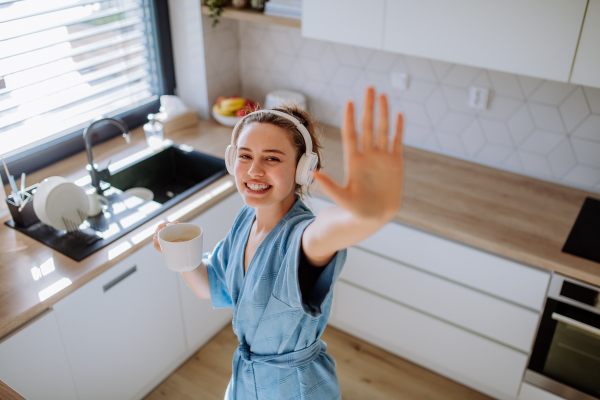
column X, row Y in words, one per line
column 574, row 355
column 567, row 348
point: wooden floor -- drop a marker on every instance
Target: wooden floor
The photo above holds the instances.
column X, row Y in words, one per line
column 364, row 372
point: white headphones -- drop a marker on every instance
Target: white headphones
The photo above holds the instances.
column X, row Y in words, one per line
column 306, row 164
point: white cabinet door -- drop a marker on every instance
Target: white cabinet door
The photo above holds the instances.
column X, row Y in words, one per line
column 446, row 300
column 354, row 22
column 586, row 70
column 33, row 362
column 528, row 37
column 123, row 329
column 451, row 351
column 201, row 320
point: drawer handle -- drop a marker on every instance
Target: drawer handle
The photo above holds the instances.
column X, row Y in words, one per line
column 591, row 329
column 120, row 278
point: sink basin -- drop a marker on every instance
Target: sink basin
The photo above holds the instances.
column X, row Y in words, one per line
column 172, row 174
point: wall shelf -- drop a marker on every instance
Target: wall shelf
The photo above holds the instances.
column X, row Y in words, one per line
column 254, row 16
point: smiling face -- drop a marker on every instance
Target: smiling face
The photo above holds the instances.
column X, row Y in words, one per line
column 265, row 166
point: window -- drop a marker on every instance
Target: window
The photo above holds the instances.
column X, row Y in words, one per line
column 63, row 63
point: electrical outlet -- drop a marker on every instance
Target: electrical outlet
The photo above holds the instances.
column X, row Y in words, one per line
column 399, row 80
column 478, row 97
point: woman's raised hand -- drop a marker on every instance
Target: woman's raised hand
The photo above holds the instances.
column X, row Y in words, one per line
column 374, row 174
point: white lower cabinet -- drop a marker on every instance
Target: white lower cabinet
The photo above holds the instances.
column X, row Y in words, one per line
column 470, row 309
column 123, row 331
column 33, row 362
column 482, row 364
column 201, row 320
column 465, row 313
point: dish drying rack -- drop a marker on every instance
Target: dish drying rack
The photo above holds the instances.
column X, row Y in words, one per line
column 83, row 237
column 93, row 232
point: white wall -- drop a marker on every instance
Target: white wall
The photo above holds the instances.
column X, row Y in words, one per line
column 540, row 128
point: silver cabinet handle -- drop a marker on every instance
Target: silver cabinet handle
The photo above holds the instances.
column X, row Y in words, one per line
column 120, row 278
column 576, row 324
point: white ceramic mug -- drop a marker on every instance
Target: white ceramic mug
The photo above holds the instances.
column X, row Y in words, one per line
column 181, row 245
column 95, row 200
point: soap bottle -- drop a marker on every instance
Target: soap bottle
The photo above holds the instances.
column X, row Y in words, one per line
column 154, row 132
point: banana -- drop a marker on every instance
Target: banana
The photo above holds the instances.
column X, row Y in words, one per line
column 217, row 109
column 232, row 105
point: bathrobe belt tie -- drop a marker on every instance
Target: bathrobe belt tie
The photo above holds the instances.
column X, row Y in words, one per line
column 292, row 359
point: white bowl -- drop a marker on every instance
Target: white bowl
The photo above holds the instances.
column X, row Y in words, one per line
column 142, row 193
column 225, row 120
column 41, row 193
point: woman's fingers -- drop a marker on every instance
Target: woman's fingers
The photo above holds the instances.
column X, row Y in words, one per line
column 349, row 141
column 367, row 119
column 155, row 238
column 383, row 125
column 397, row 145
column 334, row 191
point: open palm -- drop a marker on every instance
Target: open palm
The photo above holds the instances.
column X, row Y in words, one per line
column 374, row 174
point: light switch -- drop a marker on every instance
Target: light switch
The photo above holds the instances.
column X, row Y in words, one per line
column 399, row 80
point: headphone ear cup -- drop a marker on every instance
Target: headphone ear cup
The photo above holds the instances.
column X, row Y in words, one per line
column 306, row 165
column 230, row 159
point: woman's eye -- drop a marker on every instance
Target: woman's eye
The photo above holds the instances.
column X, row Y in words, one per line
column 272, row 159
column 244, row 156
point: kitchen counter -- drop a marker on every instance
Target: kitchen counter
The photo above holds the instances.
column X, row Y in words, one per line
column 512, row 215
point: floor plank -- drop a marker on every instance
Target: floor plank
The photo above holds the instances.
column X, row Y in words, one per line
column 364, row 371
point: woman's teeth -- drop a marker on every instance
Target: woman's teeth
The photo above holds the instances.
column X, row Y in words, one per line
column 257, row 188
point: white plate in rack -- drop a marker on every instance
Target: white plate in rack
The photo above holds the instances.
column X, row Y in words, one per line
column 64, row 201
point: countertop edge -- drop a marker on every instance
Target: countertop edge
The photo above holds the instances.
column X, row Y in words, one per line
column 32, row 313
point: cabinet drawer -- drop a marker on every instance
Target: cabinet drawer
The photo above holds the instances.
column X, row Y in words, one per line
column 444, row 348
column 124, row 328
column 480, row 270
column 460, row 263
column 457, row 304
column 530, row 392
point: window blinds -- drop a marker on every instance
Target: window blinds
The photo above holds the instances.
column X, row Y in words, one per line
column 64, row 63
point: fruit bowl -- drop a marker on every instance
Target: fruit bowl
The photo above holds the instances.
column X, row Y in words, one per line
column 229, row 110
column 226, row 120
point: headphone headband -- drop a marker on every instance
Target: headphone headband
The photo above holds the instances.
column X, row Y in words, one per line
column 298, row 124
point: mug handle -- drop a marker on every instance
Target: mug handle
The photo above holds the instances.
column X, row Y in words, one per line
column 103, row 199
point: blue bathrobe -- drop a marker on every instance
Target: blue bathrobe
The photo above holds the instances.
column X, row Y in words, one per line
column 281, row 355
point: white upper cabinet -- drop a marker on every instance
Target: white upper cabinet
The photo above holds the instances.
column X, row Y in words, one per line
column 586, row 69
column 527, row 37
column 354, row 22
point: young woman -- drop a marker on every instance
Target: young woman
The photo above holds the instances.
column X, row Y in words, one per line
column 278, row 264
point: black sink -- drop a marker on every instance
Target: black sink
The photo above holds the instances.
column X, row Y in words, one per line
column 173, row 174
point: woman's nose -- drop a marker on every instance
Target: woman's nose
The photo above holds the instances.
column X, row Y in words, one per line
column 256, row 169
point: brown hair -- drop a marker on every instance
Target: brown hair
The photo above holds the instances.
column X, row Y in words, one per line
column 296, row 137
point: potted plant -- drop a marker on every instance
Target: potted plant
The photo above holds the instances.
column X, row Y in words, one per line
column 216, row 9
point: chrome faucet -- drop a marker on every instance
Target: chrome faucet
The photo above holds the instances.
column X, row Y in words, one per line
column 104, row 173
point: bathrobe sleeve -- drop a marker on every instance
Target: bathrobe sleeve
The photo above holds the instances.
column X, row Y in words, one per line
column 312, row 303
column 216, row 266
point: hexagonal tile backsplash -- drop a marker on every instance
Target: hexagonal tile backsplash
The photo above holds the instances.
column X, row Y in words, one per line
column 545, row 129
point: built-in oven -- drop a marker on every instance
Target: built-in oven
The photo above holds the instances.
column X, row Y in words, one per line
column 566, row 354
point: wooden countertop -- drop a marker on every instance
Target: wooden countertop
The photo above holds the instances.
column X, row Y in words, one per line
column 512, row 215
